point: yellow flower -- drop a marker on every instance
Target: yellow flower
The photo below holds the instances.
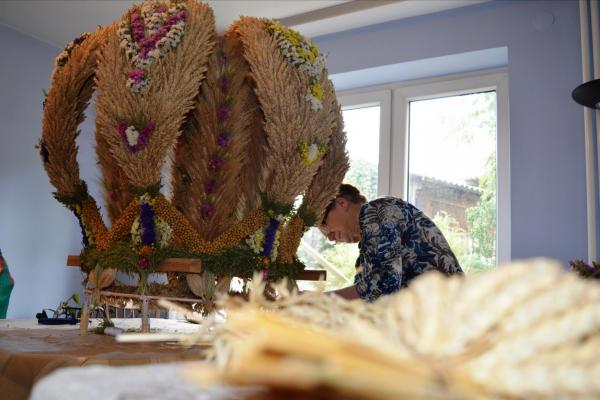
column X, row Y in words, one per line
column 317, row 91
column 314, row 49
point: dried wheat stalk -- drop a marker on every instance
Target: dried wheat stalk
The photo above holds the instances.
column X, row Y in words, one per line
column 116, row 195
column 289, row 119
column 225, row 85
column 335, row 164
column 175, row 82
column 71, row 87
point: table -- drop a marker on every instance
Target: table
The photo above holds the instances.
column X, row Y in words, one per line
column 29, row 351
column 147, row 382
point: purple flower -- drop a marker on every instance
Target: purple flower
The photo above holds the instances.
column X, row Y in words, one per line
column 222, row 60
column 223, row 112
column 78, row 40
column 145, row 133
column 270, row 237
column 147, row 222
column 84, row 238
column 223, row 140
column 216, row 164
column 224, row 84
column 210, row 186
column 207, row 210
column 160, row 9
column 143, row 137
column 44, row 152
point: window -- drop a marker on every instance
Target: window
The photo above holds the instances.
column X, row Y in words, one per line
column 450, row 159
column 442, row 144
column 452, row 171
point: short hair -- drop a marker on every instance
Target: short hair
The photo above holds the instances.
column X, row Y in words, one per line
column 348, row 192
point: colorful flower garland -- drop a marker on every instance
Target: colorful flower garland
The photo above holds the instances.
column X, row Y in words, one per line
column 147, row 34
column 149, row 231
column 63, row 57
column 304, row 55
column 135, row 139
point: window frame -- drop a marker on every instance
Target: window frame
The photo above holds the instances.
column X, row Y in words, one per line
column 394, row 101
column 383, row 99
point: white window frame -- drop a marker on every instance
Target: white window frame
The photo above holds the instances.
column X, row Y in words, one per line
column 394, row 101
column 383, row 99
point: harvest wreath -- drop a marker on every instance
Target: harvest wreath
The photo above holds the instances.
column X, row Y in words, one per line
column 249, row 121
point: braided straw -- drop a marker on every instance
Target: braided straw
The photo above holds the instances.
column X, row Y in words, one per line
column 408, row 345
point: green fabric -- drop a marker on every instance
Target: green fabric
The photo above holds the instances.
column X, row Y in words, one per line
column 6, row 287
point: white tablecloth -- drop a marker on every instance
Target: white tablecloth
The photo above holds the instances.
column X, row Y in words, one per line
column 148, row 382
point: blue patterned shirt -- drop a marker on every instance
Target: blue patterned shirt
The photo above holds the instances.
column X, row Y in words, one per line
column 398, row 243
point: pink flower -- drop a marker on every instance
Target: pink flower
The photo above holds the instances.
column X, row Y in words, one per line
column 122, row 128
column 136, row 75
column 142, row 263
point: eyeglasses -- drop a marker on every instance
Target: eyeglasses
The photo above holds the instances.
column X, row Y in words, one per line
column 328, row 209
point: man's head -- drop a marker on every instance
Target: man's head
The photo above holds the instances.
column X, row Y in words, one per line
column 341, row 216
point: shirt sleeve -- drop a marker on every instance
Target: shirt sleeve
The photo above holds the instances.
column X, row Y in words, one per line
column 381, row 258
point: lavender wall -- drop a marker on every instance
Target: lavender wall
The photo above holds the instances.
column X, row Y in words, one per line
column 36, row 232
column 548, row 198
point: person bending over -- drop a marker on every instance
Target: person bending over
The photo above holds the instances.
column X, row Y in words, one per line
column 397, row 242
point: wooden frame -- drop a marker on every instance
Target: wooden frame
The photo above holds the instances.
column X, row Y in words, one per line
column 183, row 265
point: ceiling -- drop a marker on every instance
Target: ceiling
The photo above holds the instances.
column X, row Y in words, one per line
column 58, row 21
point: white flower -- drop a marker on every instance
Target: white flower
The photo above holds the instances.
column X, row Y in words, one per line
column 313, row 153
column 315, row 104
column 132, row 136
